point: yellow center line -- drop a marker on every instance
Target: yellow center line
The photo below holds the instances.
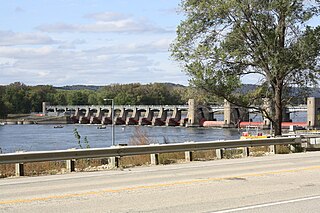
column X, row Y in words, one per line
column 53, row 197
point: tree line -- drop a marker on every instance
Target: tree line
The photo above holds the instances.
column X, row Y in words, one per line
column 18, row 98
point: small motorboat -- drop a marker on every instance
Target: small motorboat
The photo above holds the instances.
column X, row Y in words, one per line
column 101, row 127
column 58, row 126
column 252, row 132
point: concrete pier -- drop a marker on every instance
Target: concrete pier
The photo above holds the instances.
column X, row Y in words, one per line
column 160, row 120
column 193, row 118
column 134, row 119
column 175, row 118
column 313, row 112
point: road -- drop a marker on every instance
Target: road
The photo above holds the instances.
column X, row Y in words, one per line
column 275, row 183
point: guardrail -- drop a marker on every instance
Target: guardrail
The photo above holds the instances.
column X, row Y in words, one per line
column 19, row 158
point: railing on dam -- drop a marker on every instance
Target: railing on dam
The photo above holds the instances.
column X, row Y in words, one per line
column 118, row 106
column 154, row 149
column 212, row 108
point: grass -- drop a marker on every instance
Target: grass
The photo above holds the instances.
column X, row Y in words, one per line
column 170, row 158
column 204, row 155
column 282, row 149
column 259, row 151
column 34, row 169
column 138, row 138
column 7, row 170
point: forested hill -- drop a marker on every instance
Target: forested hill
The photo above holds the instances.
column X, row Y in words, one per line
column 95, row 88
column 298, row 93
column 313, row 92
column 79, row 87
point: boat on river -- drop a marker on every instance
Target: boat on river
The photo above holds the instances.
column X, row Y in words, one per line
column 58, row 126
column 101, row 127
column 253, row 132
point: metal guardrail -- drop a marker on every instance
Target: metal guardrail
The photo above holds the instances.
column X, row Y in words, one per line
column 39, row 156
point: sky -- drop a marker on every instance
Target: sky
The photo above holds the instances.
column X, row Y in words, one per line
column 90, row 42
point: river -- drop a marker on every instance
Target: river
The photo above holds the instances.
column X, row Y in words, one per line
column 45, row 137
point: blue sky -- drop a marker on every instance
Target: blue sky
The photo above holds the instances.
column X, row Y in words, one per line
column 93, row 42
column 97, row 42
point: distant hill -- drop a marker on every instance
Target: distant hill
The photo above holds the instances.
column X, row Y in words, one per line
column 313, row 92
column 79, row 87
column 95, row 88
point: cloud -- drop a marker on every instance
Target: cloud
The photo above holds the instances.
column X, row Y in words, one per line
column 72, row 45
column 107, row 16
column 171, row 11
column 47, row 65
column 106, row 23
column 19, row 10
column 152, row 47
column 25, row 53
column 47, row 58
column 9, row 38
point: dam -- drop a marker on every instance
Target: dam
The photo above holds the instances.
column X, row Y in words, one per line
column 191, row 115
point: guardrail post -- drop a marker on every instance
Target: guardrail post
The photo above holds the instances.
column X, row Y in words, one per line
column 272, row 149
column 154, row 159
column 245, row 151
column 70, row 164
column 188, row 156
column 292, row 148
column 19, row 169
column 114, row 161
column 304, row 146
column 219, row 153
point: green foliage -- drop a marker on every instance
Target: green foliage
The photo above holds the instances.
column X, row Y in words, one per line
column 77, row 98
column 60, row 98
column 38, row 94
column 16, row 98
column 3, row 112
column 220, row 43
column 78, row 138
column 86, row 142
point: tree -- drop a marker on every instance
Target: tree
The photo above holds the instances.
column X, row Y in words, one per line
column 39, row 94
column 78, row 97
column 60, row 98
column 3, row 110
column 223, row 43
column 16, row 98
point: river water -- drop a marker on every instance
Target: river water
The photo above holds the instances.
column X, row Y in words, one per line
column 45, row 137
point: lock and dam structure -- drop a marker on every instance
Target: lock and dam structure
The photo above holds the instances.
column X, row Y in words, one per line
column 175, row 115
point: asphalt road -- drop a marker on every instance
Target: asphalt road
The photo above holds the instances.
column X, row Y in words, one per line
column 278, row 183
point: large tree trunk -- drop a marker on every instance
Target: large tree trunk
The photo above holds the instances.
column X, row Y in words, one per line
column 279, row 80
column 278, row 110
